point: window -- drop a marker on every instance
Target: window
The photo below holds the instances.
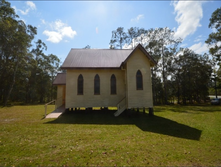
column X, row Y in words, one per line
column 80, row 85
column 139, row 80
column 96, row 84
column 113, row 85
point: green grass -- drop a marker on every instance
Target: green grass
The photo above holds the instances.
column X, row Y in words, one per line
column 175, row 136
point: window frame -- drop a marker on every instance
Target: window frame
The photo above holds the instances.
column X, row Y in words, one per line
column 139, row 80
column 97, row 83
column 113, row 85
column 80, row 79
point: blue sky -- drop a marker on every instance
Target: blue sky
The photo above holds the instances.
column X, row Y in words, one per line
column 75, row 24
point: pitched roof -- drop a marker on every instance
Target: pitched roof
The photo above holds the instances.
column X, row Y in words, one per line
column 60, row 79
column 139, row 46
column 99, row 58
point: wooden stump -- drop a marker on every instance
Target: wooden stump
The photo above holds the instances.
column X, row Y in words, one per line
column 151, row 112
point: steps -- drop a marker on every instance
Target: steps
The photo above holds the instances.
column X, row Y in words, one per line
column 120, row 110
column 121, row 107
column 56, row 113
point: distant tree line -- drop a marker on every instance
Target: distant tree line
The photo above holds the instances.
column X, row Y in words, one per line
column 26, row 72
column 181, row 75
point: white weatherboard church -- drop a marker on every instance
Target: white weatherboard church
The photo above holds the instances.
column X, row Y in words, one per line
column 106, row 78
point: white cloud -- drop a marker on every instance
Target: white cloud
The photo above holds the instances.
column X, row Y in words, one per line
column 128, row 46
column 58, row 24
column 53, row 36
column 183, row 45
column 189, row 14
column 96, row 29
column 43, row 21
column 24, row 12
column 137, row 19
column 30, row 6
column 59, row 31
column 199, row 38
column 200, row 48
column 214, row 29
column 14, row 7
column 68, row 32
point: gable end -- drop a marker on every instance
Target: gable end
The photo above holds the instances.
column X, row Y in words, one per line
column 139, row 46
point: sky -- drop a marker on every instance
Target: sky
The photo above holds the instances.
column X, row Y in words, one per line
column 63, row 25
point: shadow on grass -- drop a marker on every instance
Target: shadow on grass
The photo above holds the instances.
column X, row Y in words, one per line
column 145, row 122
column 190, row 109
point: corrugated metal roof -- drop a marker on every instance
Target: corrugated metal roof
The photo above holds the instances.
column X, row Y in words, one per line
column 60, row 79
column 99, row 58
column 95, row 58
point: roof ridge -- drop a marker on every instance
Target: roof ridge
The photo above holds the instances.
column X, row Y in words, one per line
column 97, row 49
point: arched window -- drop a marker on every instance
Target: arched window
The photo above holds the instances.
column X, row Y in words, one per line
column 80, row 85
column 139, row 80
column 113, row 85
column 96, row 84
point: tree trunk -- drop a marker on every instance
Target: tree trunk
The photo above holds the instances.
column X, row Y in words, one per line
column 164, row 84
column 153, row 88
column 12, row 84
column 178, row 94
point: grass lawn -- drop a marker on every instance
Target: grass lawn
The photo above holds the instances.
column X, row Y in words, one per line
column 175, row 136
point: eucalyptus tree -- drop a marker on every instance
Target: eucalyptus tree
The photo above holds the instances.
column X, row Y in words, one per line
column 131, row 34
column 159, row 42
column 15, row 39
column 214, row 39
column 191, row 75
column 53, row 66
column 162, row 45
column 43, row 72
column 118, row 39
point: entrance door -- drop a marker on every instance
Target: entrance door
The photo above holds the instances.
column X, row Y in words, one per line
column 64, row 94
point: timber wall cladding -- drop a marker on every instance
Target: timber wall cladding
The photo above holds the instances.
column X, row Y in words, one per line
column 88, row 99
column 60, row 89
column 139, row 98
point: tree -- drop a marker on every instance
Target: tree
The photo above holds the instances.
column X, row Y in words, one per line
column 191, row 76
column 162, row 45
column 180, row 73
column 132, row 33
column 215, row 86
column 87, row 47
column 118, row 39
column 52, row 70
column 15, row 38
column 215, row 37
column 26, row 76
column 43, row 71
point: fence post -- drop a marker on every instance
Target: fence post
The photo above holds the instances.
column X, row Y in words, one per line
column 49, row 103
column 45, row 109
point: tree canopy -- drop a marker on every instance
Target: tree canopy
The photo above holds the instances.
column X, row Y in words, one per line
column 26, row 75
column 180, row 73
column 118, row 39
column 214, row 39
